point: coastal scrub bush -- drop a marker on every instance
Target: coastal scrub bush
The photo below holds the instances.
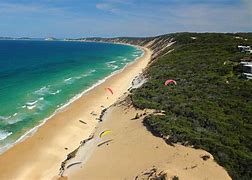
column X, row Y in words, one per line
column 211, row 106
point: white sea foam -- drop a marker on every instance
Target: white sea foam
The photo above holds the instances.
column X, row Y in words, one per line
column 4, row 117
column 14, row 120
column 78, row 77
column 111, row 65
column 10, row 119
column 85, row 75
column 31, row 107
column 111, row 62
column 56, row 92
column 67, row 79
column 89, row 73
column 115, row 67
column 4, row 134
column 31, row 103
column 42, row 91
column 41, row 105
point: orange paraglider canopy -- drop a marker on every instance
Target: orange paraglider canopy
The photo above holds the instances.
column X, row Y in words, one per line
column 110, row 90
column 170, row 81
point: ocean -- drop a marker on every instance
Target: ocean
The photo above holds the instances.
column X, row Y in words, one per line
column 37, row 78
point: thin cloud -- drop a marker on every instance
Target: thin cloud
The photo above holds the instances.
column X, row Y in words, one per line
column 9, row 8
column 212, row 18
column 114, row 6
column 106, row 7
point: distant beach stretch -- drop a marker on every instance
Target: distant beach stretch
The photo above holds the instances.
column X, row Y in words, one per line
column 63, row 132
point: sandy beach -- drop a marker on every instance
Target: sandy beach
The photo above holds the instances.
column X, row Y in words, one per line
column 130, row 151
column 40, row 156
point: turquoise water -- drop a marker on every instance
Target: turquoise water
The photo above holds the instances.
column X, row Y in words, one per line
column 38, row 77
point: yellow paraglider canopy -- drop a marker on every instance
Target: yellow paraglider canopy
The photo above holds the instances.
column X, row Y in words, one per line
column 104, row 133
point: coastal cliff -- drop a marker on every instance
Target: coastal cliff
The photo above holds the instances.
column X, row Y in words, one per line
column 159, row 44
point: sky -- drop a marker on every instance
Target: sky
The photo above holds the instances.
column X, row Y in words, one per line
column 113, row 18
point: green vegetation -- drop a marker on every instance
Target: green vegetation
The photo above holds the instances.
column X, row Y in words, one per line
column 211, row 107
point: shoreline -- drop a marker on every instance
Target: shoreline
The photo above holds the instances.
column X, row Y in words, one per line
column 58, row 136
column 32, row 131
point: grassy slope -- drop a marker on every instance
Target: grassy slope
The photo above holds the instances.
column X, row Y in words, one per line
column 203, row 109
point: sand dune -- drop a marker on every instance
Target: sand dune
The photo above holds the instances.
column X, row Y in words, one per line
column 133, row 153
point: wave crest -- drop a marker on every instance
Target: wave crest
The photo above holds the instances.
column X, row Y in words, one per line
column 4, row 134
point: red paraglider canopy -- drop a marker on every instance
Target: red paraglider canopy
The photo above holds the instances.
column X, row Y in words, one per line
column 169, row 81
column 110, row 90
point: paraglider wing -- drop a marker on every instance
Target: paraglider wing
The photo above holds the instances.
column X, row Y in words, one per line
column 110, row 90
column 104, row 133
column 169, row 81
column 105, row 142
column 73, row 164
